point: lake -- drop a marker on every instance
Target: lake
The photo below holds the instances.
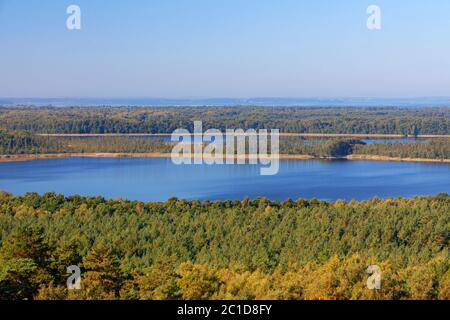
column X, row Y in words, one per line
column 157, row 179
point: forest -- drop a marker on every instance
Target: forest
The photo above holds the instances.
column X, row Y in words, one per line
column 20, row 128
column 429, row 149
column 250, row 249
column 19, row 142
column 404, row 121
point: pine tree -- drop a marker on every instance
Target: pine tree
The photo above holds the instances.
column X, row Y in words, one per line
column 102, row 278
column 24, row 260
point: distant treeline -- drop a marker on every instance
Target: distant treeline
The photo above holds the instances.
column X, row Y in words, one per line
column 288, row 119
column 430, row 149
column 250, row 249
column 320, row 147
column 13, row 143
column 16, row 142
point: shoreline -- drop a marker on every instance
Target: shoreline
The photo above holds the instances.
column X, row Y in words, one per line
column 354, row 157
column 282, row 134
column 32, row 157
column 367, row 157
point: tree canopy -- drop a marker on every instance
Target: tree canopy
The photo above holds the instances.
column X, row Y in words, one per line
column 250, row 249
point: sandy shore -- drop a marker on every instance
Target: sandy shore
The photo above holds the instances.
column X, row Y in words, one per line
column 384, row 158
column 30, row 157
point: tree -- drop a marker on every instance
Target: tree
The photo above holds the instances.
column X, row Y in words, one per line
column 52, row 292
column 27, row 243
column 160, row 282
column 16, row 279
column 444, row 289
column 65, row 255
column 24, row 257
column 102, row 278
column 197, row 282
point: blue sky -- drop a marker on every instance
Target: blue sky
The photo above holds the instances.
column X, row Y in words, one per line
column 224, row 48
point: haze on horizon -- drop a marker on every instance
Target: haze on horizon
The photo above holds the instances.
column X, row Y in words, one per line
column 233, row 48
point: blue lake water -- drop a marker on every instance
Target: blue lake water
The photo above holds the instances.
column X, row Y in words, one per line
column 159, row 179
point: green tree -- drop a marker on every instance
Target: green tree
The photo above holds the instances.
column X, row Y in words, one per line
column 25, row 258
column 160, row 282
column 197, row 282
column 16, row 279
column 101, row 278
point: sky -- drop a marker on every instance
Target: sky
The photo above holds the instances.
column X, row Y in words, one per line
column 224, row 48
